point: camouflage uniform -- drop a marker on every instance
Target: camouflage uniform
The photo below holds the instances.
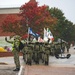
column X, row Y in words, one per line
column 63, row 46
column 46, row 54
column 67, row 46
column 28, row 54
column 15, row 51
column 41, row 52
column 52, row 49
column 36, row 52
column 57, row 48
column 24, row 53
column 47, row 57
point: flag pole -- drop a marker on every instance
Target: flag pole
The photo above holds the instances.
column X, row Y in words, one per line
column 44, row 34
column 28, row 35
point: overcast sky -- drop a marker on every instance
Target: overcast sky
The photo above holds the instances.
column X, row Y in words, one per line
column 67, row 6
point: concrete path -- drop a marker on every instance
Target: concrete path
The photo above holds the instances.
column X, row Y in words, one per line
column 48, row 70
column 55, row 67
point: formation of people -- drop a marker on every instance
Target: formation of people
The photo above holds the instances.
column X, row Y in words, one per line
column 34, row 52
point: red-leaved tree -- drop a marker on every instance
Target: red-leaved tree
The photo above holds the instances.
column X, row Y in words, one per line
column 31, row 15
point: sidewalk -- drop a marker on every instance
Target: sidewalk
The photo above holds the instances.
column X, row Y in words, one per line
column 48, row 70
column 55, row 66
column 64, row 62
column 7, row 66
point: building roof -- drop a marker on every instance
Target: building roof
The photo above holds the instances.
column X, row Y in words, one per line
column 9, row 10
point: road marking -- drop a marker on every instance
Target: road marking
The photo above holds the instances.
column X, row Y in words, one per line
column 20, row 70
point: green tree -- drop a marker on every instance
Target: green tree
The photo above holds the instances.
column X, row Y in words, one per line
column 63, row 29
column 57, row 13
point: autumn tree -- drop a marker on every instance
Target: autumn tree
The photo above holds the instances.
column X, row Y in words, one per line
column 12, row 24
column 30, row 15
column 36, row 17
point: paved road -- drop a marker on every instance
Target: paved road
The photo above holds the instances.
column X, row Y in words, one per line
column 7, row 70
column 55, row 67
column 48, row 70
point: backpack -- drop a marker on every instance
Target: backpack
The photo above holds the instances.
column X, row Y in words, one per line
column 21, row 46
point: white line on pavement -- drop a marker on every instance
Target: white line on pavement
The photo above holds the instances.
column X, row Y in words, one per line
column 20, row 70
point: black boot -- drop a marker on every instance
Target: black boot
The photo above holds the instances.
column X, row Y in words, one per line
column 17, row 69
